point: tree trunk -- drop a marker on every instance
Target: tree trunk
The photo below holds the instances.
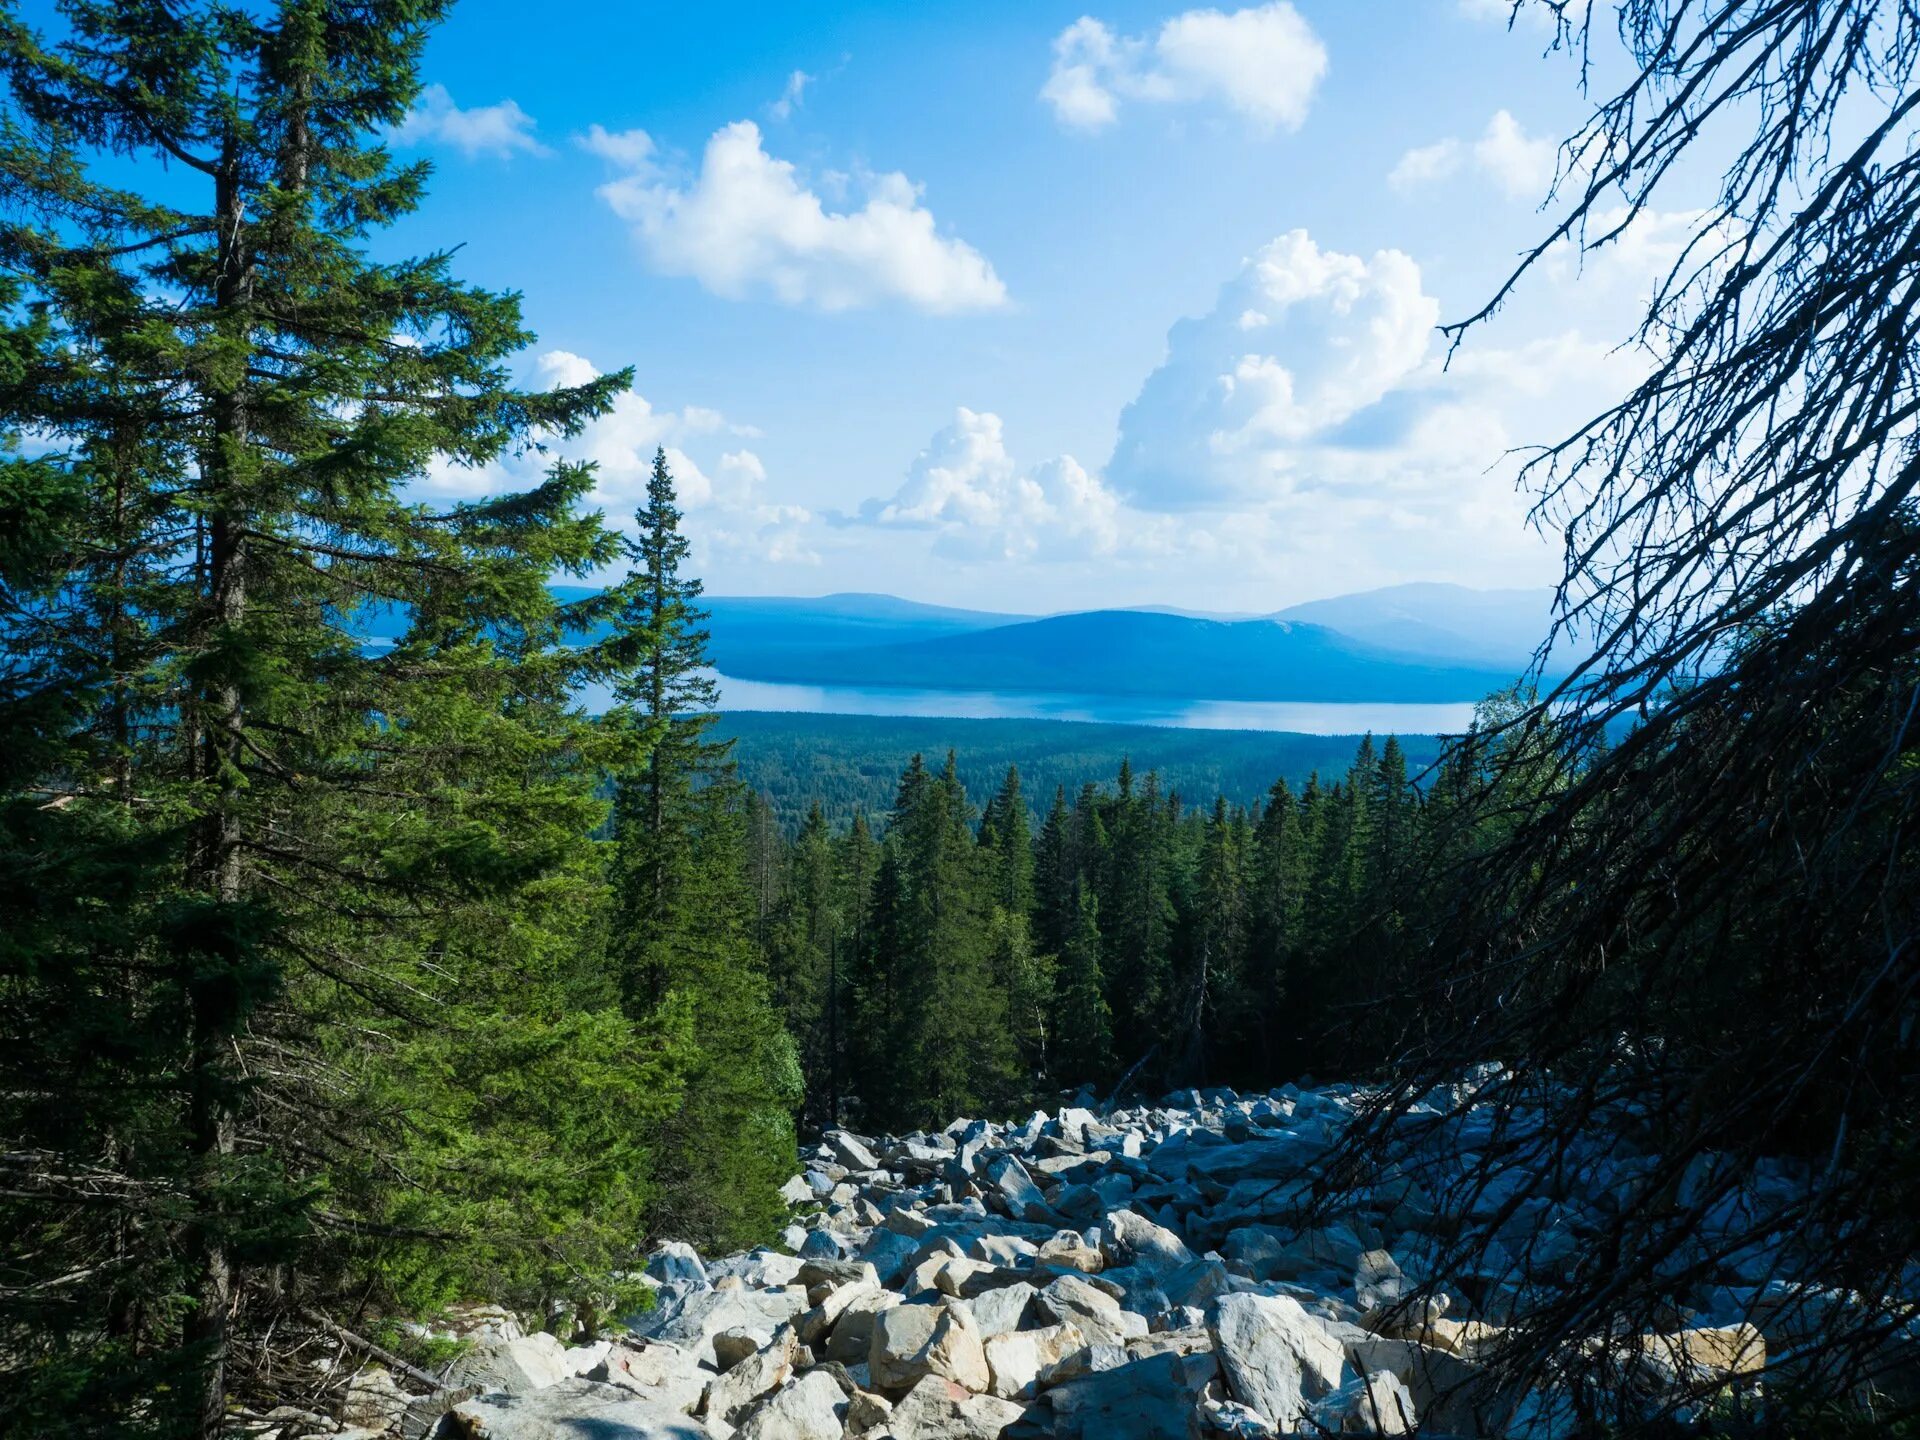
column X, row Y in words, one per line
column 211, row 1128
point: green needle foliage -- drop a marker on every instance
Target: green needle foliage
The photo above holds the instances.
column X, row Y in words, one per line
column 685, row 915
column 298, row 987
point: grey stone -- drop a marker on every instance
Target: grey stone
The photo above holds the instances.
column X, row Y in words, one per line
column 1276, row 1357
column 569, row 1410
column 938, row 1409
column 810, row 1408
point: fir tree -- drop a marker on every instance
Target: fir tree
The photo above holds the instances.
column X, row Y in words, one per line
column 306, row 882
column 1084, row 1034
column 687, row 921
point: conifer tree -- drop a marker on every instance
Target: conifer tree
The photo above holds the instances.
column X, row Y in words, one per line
column 302, row 876
column 1084, row 1032
column 687, row 918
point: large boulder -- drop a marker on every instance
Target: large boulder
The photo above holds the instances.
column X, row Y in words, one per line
column 1073, row 1300
column 1016, row 1360
column 852, row 1334
column 1376, row 1404
column 851, row 1150
column 1014, row 1189
column 1155, row 1398
column 516, row 1366
column 911, row 1342
column 1276, row 1357
column 938, row 1409
column 567, row 1410
column 997, row 1312
column 677, row 1263
column 811, row 1408
column 660, row 1372
column 735, row 1392
column 1130, row 1239
column 694, row 1322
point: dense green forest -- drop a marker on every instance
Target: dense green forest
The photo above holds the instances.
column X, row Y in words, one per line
column 344, row 981
column 964, row 958
column 850, row 764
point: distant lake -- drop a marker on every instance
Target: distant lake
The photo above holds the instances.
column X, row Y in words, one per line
column 1297, row 717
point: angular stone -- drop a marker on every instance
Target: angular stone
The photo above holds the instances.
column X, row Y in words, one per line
column 693, row 1324
column 851, row 1150
column 730, row 1347
column 1150, row 1399
column 816, row 1324
column 1072, row 1300
column 569, row 1410
column 811, row 1408
column 1276, row 1357
column 1015, row 1189
column 1377, row 1280
column 528, row 1362
column 734, row 1393
column 1130, row 1239
column 1016, row 1360
column 937, row 1409
column 660, row 1372
column 912, row 1341
column 998, row 1312
column 1085, row 1360
column 1375, row 1404
column 852, row 1336
column 1067, row 1251
column 867, row 1411
column 796, row 1191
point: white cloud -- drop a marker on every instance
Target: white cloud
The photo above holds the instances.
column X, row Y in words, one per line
column 499, row 130
column 1301, row 341
column 747, row 225
column 725, row 500
column 1305, row 435
column 629, row 149
column 1263, row 63
column 1519, row 163
column 792, row 96
column 981, row 504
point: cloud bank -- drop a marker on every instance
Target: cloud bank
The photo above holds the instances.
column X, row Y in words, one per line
column 746, row 225
column 1262, row 63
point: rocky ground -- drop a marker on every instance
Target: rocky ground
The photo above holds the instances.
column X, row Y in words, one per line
column 1133, row 1273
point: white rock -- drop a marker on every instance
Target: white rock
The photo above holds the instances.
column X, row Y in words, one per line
column 811, row 1408
column 1016, row 1360
column 733, row 1394
column 660, row 1372
column 912, row 1341
column 528, row 1362
column 569, row 1410
column 937, row 1409
column 1277, row 1358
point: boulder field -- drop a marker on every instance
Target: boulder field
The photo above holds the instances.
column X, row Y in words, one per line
column 1120, row 1274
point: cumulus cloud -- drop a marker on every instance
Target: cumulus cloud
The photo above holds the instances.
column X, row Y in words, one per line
column 748, row 225
column 1519, row 163
column 722, row 491
column 980, row 503
column 1301, row 341
column 1263, row 63
column 498, row 130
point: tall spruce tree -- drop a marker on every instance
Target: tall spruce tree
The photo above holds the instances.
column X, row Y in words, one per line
column 295, row 963
column 687, row 916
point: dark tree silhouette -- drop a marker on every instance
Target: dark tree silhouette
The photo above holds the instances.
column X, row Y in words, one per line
column 1687, row 913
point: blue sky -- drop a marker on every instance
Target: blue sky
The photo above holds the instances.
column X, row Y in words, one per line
column 1030, row 306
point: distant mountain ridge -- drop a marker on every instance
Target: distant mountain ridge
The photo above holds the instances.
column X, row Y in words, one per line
column 1425, row 643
